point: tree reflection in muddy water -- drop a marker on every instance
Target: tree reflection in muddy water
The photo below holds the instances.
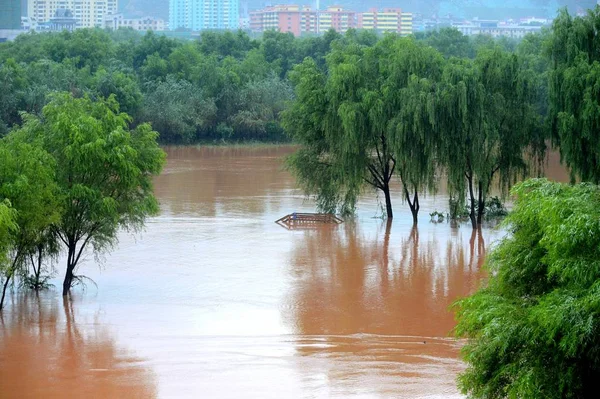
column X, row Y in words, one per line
column 374, row 308
column 46, row 352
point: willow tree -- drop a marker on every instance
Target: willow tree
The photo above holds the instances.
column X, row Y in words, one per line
column 486, row 120
column 412, row 73
column 104, row 172
column 347, row 120
column 338, row 118
column 574, row 92
column 27, row 181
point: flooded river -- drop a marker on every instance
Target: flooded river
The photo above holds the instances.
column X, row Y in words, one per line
column 215, row 300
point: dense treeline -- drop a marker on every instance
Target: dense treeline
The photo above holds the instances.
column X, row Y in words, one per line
column 223, row 86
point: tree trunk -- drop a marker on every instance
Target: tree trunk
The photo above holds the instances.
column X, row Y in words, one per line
column 414, row 205
column 70, row 267
column 8, row 276
column 68, row 280
column 10, row 273
column 388, row 201
column 472, row 215
column 414, row 208
column 386, row 249
column 37, row 272
column 480, row 204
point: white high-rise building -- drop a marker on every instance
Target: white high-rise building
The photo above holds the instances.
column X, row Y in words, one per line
column 204, row 14
column 88, row 13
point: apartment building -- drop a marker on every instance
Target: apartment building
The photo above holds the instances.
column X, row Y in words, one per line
column 10, row 14
column 300, row 20
column 495, row 29
column 284, row 18
column 204, row 14
column 386, row 20
column 406, row 24
column 88, row 13
column 337, row 18
column 116, row 21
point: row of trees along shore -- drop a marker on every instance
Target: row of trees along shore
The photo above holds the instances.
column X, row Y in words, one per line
column 78, row 155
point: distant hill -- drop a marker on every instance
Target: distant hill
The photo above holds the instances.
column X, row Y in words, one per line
column 458, row 8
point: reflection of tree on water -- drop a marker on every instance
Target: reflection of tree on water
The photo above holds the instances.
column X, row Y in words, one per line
column 371, row 308
column 46, row 354
column 389, row 283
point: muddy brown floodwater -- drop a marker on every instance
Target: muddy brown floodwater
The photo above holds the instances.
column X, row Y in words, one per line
column 215, row 300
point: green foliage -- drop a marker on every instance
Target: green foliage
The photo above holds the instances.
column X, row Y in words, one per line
column 450, row 42
column 315, row 166
column 260, row 104
column 437, row 217
column 178, row 110
column 487, row 116
column 104, row 171
column 574, row 92
column 27, row 181
column 8, row 228
column 366, row 117
column 226, row 44
column 494, row 208
column 533, row 328
column 221, row 72
column 412, row 75
column 124, row 87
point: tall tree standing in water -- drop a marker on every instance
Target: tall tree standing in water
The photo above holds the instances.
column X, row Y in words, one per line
column 337, row 117
column 351, row 125
column 104, row 172
column 412, row 73
column 27, row 181
column 486, row 119
column 574, row 92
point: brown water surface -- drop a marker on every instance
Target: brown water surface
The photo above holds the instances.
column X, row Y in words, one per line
column 215, row 300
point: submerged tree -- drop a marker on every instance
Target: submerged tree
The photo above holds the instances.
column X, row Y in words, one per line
column 487, row 120
column 533, row 328
column 412, row 74
column 27, row 181
column 333, row 162
column 104, row 172
column 350, row 124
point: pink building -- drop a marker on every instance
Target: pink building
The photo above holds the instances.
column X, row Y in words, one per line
column 301, row 20
column 284, row 18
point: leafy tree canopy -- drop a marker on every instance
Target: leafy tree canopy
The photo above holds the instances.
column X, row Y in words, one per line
column 574, row 92
column 104, row 171
column 533, row 328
